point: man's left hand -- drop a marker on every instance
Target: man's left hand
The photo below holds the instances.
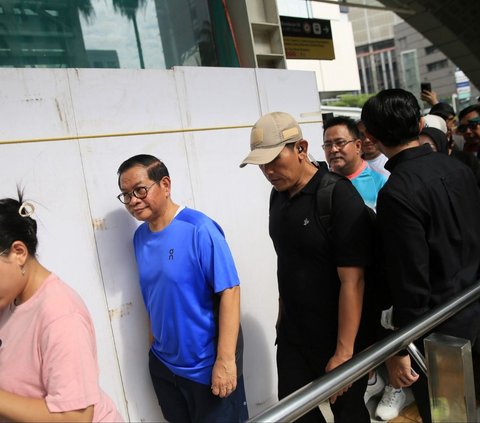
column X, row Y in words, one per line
column 334, row 362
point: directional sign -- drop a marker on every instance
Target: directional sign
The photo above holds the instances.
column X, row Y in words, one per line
column 307, row 38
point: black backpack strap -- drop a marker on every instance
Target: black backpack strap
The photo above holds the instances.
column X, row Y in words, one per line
column 325, row 196
column 272, row 194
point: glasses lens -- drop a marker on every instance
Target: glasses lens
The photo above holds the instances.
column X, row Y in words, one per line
column 339, row 144
column 462, row 129
column 124, row 198
column 140, row 192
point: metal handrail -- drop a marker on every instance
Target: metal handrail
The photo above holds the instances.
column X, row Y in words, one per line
column 306, row 398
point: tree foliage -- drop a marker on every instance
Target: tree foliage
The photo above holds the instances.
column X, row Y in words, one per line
column 351, row 100
column 128, row 8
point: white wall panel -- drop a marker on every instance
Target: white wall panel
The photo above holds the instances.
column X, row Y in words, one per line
column 35, row 103
column 121, row 101
column 294, row 92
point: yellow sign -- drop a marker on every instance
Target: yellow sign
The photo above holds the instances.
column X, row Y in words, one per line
column 307, row 38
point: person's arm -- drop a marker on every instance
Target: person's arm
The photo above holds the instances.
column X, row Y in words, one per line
column 224, row 373
column 16, row 408
column 350, row 303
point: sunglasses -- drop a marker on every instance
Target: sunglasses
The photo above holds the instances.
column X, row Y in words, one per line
column 472, row 124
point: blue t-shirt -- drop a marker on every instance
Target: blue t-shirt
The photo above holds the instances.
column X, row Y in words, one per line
column 181, row 268
column 368, row 183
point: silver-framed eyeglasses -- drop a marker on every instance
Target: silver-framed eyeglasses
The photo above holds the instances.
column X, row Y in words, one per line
column 138, row 192
column 4, row 251
column 338, row 143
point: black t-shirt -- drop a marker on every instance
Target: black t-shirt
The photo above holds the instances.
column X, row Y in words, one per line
column 308, row 258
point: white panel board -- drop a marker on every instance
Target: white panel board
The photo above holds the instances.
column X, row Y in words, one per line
column 293, row 92
column 123, row 101
column 213, row 97
column 35, row 103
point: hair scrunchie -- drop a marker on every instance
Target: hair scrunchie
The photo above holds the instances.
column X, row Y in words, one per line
column 26, row 209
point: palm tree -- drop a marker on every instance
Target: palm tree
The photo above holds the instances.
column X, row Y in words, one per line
column 129, row 9
column 85, row 8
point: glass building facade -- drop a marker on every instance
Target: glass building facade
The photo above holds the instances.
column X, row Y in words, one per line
column 115, row 34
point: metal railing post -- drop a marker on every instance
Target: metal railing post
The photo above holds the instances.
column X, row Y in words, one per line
column 451, row 387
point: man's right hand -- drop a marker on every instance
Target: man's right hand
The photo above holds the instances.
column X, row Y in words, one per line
column 400, row 372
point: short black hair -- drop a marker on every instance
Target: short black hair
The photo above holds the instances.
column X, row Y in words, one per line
column 345, row 121
column 444, row 110
column 156, row 169
column 469, row 109
column 392, row 116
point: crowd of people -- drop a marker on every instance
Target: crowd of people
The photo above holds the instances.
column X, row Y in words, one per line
column 389, row 222
column 337, row 274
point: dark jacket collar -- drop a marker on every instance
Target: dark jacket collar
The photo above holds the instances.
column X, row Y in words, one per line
column 407, row 154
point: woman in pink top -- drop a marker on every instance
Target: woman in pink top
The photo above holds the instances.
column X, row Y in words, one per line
column 48, row 356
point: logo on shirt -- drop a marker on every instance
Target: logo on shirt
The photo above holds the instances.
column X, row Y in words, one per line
column 306, row 222
column 170, row 254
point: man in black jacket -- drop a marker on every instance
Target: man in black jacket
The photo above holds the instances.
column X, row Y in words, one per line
column 428, row 219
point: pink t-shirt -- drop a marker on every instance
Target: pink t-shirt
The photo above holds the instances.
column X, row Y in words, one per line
column 48, row 350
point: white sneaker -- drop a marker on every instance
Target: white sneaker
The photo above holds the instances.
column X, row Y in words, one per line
column 391, row 403
column 374, row 388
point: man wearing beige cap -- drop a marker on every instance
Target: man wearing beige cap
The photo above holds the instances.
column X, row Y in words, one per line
column 319, row 268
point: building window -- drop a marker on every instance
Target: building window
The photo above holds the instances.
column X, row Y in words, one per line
column 411, row 75
column 115, row 33
column 437, row 65
column 430, row 50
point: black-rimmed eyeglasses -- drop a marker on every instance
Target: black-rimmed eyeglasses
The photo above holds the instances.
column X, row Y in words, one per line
column 339, row 144
column 138, row 192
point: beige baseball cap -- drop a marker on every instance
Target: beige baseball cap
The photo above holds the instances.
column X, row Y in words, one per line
column 269, row 135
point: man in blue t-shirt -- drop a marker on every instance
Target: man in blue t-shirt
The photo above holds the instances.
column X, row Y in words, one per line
column 191, row 291
column 343, row 150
